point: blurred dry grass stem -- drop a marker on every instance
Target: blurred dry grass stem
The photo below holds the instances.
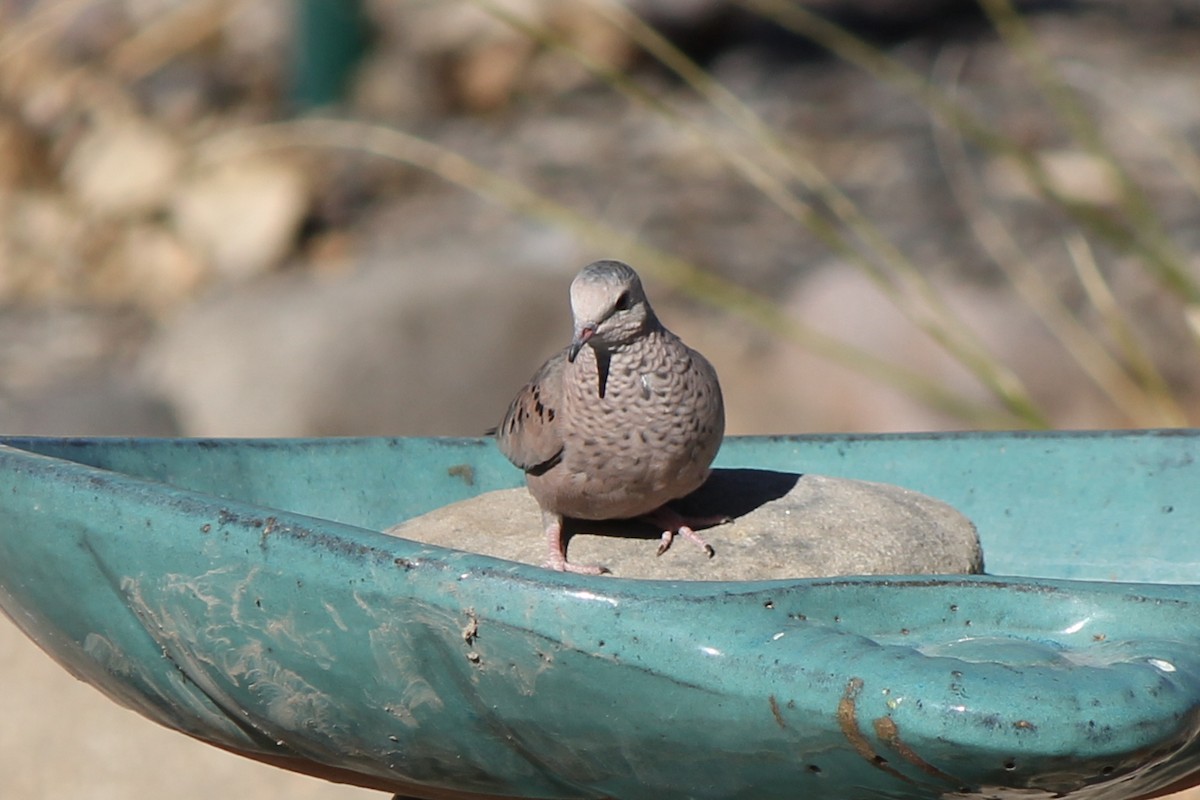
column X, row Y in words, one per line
column 1141, row 234
column 769, row 165
column 1142, row 231
column 1171, row 146
column 43, row 21
column 177, row 31
column 1145, row 398
column 1136, row 387
column 396, row 145
column 794, row 183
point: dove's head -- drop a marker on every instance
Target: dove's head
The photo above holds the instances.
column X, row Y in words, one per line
column 609, row 306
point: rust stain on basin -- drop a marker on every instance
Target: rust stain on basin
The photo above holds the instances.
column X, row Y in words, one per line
column 887, row 730
column 847, row 716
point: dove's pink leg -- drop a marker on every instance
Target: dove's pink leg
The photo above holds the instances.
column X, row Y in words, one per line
column 675, row 524
column 558, row 553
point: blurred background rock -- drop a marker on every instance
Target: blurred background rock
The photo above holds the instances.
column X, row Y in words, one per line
column 167, row 268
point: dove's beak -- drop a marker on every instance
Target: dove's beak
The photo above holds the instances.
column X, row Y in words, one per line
column 581, row 338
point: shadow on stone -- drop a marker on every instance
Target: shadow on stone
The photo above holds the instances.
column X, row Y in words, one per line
column 729, row 493
column 737, row 492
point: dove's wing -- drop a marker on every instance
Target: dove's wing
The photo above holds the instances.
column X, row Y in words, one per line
column 531, row 433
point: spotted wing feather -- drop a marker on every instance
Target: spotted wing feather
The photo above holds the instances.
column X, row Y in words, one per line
column 530, row 435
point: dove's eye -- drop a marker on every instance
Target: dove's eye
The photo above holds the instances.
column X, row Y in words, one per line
column 623, row 302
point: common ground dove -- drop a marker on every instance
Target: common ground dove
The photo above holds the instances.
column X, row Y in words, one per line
column 621, row 422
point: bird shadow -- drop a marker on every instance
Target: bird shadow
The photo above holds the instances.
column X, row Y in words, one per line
column 727, row 494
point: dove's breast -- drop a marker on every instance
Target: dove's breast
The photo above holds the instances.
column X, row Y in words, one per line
column 639, row 429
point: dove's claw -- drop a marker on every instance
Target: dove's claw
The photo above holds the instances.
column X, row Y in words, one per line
column 674, row 524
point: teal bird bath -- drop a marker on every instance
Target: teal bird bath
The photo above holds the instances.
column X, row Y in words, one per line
column 239, row 591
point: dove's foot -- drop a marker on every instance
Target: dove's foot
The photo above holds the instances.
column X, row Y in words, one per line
column 558, row 553
column 675, row 524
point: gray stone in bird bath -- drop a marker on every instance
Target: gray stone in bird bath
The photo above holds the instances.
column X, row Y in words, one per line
column 785, row 526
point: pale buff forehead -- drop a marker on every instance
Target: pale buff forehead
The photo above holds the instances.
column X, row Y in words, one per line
column 597, row 287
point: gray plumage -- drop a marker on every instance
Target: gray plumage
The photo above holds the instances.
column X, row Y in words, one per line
column 621, row 422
